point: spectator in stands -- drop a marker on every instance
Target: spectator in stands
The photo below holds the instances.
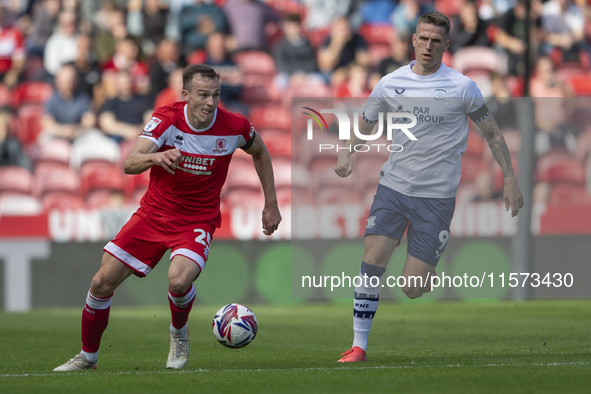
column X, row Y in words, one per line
column 564, row 23
column 147, row 19
column 376, row 12
column 294, row 54
column 468, row 29
column 173, row 92
column 342, row 47
column 122, row 117
column 197, row 21
column 126, row 58
column 249, row 21
column 355, row 84
column 43, row 20
column 167, row 60
column 89, row 72
column 406, row 14
column 68, row 111
column 230, row 73
column 12, row 52
column 552, row 106
column 501, row 105
column 399, row 54
column 172, row 29
column 11, row 150
column 321, row 14
column 109, row 33
column 546, row 83
column 61, row 47
column 510, row 35
column 484, row 188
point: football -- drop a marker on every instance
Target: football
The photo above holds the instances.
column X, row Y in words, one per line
column 234, row 326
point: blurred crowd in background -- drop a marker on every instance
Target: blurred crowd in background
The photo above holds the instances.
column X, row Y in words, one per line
column 80, row 78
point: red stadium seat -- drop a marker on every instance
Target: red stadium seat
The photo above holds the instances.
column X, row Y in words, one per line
column 270, row 117
column 471, row 166
column 244, row 197
column 567, row 194
column 278, row 143
column 310, row 150
column 567, row 171
column 338, row 195
column 367, row 171
column 254, row 62
column 282, row 173
column 559, row 166
column 377, row 34
column 323, row 176
column 14, row 204
column 62, row 201
column 99, row 199
column 27, row 123
column 53, row 150
column 242, row 175
column 475, row 145
column 15, row 180
column 449, row 7
column 136, row 185
column 56, row 179
column 259, row 90
column 477, row 58
column 31, row 92
column 101, row 176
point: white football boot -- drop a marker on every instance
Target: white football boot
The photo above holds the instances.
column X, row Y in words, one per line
column 78, row 363
column 179, row 352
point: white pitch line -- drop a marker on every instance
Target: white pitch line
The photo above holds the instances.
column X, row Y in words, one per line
column 162, row 372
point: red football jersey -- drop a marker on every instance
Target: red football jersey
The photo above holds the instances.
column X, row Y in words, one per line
column 192, row 194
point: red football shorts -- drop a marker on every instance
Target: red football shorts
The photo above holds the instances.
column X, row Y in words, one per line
column 141, row 242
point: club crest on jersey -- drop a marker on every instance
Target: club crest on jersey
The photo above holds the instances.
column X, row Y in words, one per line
column 220, row 146
column 152, row 123
column 371, row 222
column 439, row 94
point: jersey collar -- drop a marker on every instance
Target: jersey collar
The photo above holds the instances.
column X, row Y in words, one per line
column 215, row 114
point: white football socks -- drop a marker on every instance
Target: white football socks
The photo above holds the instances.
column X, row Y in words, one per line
column 367, row 297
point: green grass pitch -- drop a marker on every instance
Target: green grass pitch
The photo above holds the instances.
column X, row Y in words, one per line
column 444, row 347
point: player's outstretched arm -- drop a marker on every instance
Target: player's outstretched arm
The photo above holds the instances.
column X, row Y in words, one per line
column 498, row 146
column 262, row 163
column 145, row 155
column 344, row 166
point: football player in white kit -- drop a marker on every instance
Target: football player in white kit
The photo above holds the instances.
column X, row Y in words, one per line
column 418, row 185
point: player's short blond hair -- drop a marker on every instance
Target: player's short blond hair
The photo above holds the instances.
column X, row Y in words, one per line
column 437, row 19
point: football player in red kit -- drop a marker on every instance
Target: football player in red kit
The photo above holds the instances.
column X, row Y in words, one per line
column 187, row 146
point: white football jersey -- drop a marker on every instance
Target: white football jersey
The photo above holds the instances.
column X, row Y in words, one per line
column 441, row 102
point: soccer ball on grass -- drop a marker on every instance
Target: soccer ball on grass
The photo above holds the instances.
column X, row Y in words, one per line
column 234, row 326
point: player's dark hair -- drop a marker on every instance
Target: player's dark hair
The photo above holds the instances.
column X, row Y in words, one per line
column 437, row 19
column 190, row 71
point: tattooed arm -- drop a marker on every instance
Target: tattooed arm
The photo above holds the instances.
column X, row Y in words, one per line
column 498, row 146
